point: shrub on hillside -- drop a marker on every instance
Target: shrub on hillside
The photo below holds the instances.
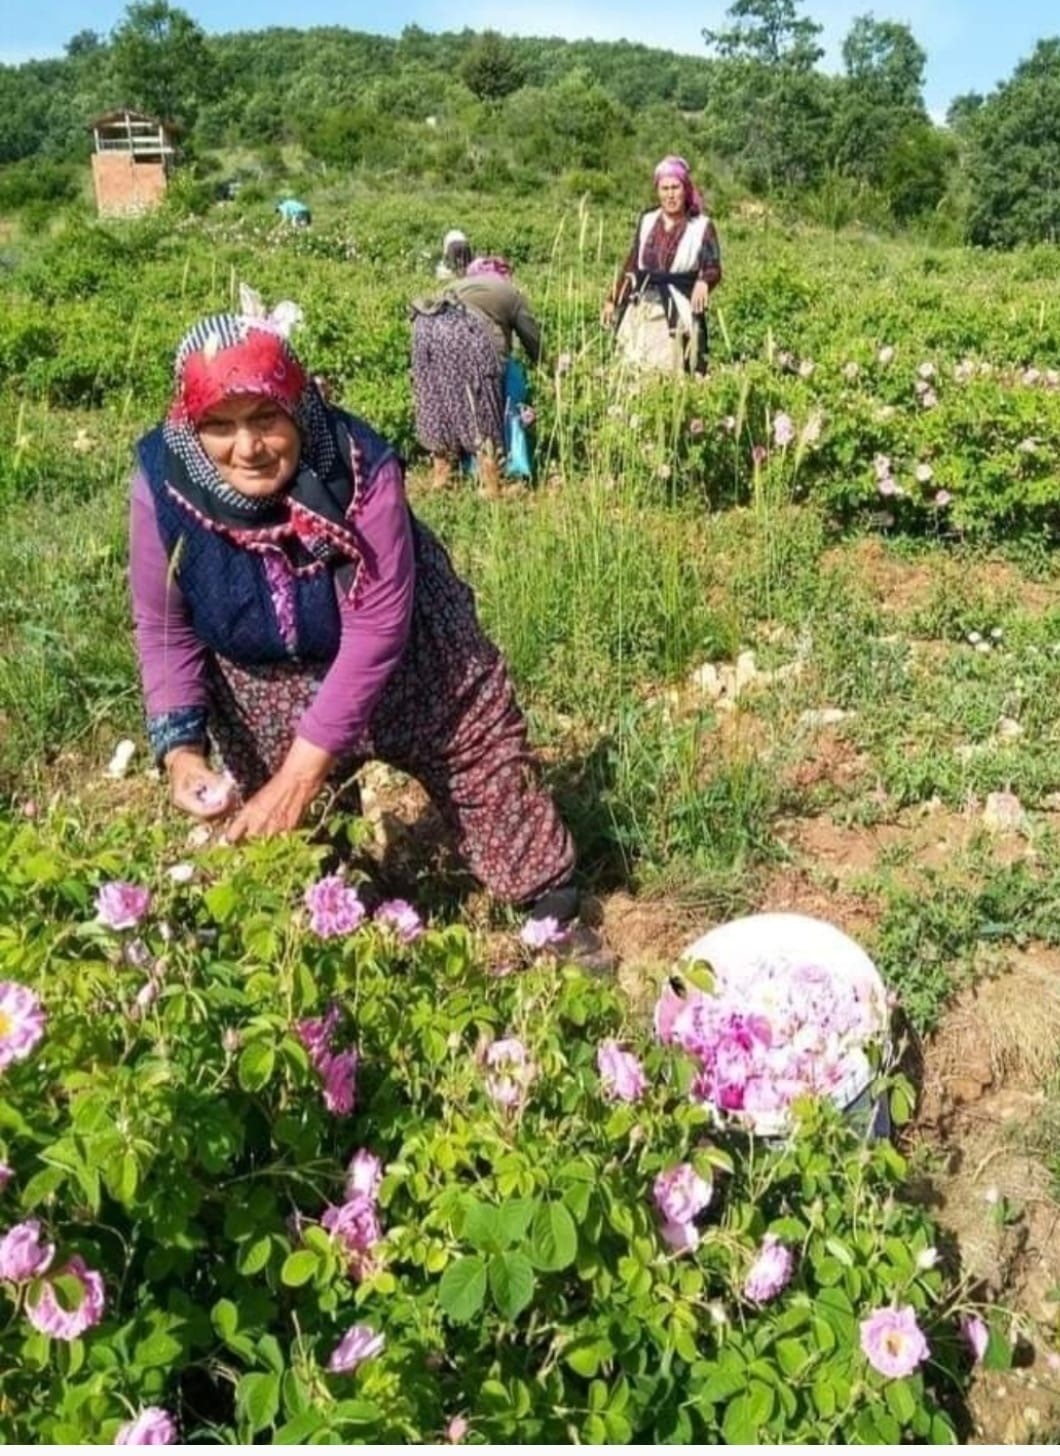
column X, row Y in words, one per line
column 273, row 1170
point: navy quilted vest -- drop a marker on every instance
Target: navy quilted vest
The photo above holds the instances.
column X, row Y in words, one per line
column 226, row 588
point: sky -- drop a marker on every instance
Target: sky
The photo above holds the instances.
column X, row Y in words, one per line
column 971, row 45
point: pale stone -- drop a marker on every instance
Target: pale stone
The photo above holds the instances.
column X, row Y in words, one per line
column 1003, row 813
column 746, row 671
column 822, row 717
column 121, row 759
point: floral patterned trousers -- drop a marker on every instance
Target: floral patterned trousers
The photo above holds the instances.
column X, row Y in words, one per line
column 448, row 716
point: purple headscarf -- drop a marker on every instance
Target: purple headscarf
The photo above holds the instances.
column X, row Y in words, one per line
column 483, row 267
column 679, row 168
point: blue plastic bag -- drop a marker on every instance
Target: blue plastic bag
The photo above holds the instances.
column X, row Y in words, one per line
column 517, row 446
column 518, row 450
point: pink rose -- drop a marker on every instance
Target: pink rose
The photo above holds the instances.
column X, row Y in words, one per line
column 152, row 1427
column 401, row 917
column 364, row 1174
column 339, row 1074
column 682, row 1237
column 456, row 1430
column 359, row 1343
column 681, row 1193
column 51, row 1318
column 121, row 906
column 770, row 1273
column 667, row 1009
column 893, row 1342
column 22, row 1022
column 621, row 1073
column 355, row 1227
column 22, row 1254
column 334, row 907
column 512, row 1071
column 315, row 1032
column 975, row 1335
column 537, row 934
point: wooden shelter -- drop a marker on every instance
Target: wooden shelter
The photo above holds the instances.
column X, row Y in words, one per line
column 132, row 155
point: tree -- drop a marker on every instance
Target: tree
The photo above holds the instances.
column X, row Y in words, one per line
column 161, row 62
column 917, row 170
column 768, row 33
column 84, row 43
column 573, row 124
column 883, row 61
column 1013, row 158
column 769, row 108
column 880, row 111
column 963, row 110
column 491, row 69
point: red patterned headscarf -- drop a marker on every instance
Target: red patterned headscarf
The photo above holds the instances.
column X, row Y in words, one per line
column 227, row 355
column 679, row 168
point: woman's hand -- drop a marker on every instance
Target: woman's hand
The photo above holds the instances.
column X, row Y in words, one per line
column 700, row 294
column 280, row 805
column 195, row 788
column 607, row 313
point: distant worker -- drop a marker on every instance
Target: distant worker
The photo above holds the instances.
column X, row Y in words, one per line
column 456, row 255
column 461, row 347
column 659, row 304
column 294, row 212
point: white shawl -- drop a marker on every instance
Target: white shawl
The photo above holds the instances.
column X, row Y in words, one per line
column 686, row 259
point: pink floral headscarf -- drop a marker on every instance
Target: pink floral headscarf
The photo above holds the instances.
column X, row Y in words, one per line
column 679, row 168
column 483, row 267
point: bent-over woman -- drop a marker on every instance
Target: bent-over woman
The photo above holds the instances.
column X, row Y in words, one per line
column 461, row 340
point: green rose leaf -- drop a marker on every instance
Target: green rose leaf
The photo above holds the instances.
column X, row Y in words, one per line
column 514, row 1218
column 511, row 1280
column 299, row 1268
column 482, row 1226
column 258, row 1399
column 255, row 1067
column 462, row 1288
column 553, row 1238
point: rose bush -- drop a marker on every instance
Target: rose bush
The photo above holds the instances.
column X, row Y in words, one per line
column 517, row 1226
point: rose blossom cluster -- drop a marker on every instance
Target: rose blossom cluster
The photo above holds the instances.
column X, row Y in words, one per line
column 334, row 907
column 778, row 1031
column 354, row 1224
column 26, row 1257
column 336, row 1070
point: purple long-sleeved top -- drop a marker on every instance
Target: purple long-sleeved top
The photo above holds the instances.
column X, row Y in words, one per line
column 173, row 661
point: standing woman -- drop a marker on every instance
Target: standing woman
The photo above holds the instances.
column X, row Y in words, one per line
column 659, row 304
column 294, row 616
column 461, row 341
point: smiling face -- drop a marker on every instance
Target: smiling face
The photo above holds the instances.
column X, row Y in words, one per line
column 671, row 192
column 254, row 444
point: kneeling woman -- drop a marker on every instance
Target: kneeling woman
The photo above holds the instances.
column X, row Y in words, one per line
column 292, row 611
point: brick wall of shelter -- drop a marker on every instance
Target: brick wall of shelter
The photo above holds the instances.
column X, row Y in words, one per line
column 126, row 185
